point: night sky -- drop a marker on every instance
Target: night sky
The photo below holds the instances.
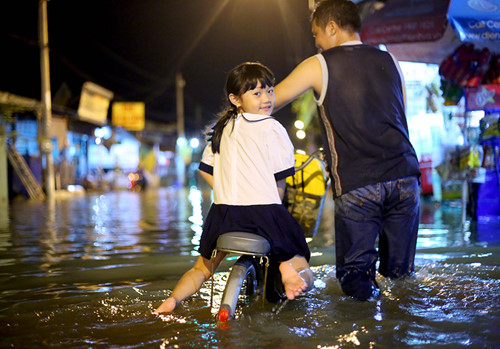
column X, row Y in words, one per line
column 135, row 47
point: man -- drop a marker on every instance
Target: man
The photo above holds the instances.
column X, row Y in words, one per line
column 373, row 166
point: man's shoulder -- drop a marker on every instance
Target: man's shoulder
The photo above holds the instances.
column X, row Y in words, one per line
column 351, row 47
column 359, row 50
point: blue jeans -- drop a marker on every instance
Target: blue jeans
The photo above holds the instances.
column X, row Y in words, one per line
column 388, row 211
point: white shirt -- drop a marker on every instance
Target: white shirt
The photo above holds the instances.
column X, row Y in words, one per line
column 255, row 151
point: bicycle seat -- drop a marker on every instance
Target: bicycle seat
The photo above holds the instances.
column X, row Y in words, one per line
column 243, row 243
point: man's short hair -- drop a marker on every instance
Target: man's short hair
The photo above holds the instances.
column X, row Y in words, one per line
column 343, row 12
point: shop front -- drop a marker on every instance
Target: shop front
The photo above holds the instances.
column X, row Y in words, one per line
column 450, row 56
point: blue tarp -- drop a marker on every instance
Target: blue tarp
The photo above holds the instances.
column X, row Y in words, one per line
column 476, row 20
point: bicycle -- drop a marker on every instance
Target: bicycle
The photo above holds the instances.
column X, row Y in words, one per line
column 250, row 273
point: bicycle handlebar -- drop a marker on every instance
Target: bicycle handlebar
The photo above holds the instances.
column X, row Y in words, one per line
column 315, row 155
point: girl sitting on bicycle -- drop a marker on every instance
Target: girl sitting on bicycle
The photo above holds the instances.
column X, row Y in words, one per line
column 246, row 162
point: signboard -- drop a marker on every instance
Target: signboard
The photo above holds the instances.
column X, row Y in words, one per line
column 403, row 21
column 476, row 20
column 94, row 103
column 129, row 115
column 483, row 97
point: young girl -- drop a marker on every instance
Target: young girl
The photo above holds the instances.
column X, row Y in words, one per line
column 248, row 157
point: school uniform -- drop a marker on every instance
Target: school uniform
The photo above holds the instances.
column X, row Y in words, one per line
column 255, row 152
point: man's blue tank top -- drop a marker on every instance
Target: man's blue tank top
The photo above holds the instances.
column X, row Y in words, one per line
column 364, row 119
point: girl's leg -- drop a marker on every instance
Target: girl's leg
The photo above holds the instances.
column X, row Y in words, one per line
column 191, row 282
column 296, row 276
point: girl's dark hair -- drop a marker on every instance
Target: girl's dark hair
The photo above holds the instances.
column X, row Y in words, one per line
column 245, row 76
column 343, row 12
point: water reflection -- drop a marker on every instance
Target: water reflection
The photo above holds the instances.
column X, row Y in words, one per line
column 88, row 271
column 195, row 199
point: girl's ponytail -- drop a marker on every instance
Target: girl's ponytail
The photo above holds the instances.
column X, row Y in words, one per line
column 215, row 133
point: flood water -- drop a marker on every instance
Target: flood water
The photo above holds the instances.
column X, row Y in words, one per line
column 88, row 271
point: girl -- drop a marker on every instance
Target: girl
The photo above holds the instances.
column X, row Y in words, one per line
column 246, row 161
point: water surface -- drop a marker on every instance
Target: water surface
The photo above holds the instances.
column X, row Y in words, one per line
column 88, row 271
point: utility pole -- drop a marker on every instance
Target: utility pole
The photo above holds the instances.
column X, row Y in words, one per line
column 181, row 145
column 179, row 89
column 46, row 117
column 4, row 191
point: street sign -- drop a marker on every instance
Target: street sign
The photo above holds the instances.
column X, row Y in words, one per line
column 94, row 103
column 129, row 115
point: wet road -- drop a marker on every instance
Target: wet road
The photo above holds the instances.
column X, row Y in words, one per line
column 88, row 271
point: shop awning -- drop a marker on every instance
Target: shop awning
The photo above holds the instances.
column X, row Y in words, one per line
column 428, row 31
column 412, row 30
column 406, row 21
column 476, row 20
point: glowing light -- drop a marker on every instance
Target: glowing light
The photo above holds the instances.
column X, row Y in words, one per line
column 98, row 140
column 99, row 132
column 181, row 141
column 299, row 124
column 300, row 134
column 194, row 143
column 103, row 132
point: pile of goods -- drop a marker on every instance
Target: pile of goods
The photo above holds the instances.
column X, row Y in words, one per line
column 468, row 67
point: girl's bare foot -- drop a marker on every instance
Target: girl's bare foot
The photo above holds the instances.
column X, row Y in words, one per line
column 292, row 281
column 167, row 306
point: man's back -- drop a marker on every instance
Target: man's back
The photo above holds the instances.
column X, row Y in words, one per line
column 363, row 111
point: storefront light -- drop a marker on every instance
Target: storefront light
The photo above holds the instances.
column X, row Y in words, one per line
column 194, row 143
column 299, row 124
column 300, row 134
column 98, row 132
column 103, row 132
column 181, row 141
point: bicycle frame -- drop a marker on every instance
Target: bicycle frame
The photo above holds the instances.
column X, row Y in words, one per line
column 251, row 247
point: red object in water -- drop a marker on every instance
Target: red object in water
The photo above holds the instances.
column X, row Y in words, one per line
column 426, row 170
column 223, row 315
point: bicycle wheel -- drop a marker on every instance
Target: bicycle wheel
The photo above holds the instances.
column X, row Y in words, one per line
column 242, row 280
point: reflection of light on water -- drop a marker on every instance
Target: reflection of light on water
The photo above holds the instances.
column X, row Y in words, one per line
column 303, row 332
column 166, row 342
column 432, row 237
column 350, row 337
column 172, row 318
column 432, row 256
column 219, row 283
column 346, row 338
column 195, row 199
column 378, row 314
column 318, row 283
column 423, row 232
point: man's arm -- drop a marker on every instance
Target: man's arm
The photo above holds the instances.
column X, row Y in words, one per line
column 305, row 76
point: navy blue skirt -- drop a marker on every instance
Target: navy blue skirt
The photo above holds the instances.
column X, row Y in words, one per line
column 272, row 222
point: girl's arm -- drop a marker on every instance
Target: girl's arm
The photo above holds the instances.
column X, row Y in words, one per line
column 208, row 177
column 281, row 188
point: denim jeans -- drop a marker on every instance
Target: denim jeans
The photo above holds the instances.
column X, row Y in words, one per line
column 388, row 211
